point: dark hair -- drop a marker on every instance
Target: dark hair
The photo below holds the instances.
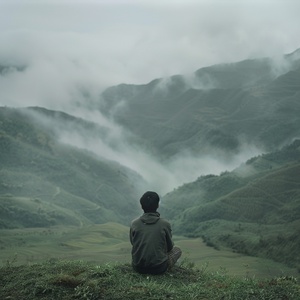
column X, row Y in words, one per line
column 149, row 202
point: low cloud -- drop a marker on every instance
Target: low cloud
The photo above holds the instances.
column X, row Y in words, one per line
column 70, row 46
column 162, row 176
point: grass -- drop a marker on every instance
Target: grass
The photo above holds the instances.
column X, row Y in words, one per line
column 58, row 279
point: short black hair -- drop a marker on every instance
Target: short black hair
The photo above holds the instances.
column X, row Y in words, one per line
column 149, row 202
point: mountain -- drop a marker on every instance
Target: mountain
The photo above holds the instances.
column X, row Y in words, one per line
column 218, row 108
column 45, row 182
column 254, row 209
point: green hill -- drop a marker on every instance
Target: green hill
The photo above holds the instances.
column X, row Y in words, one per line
column 45, row 182
column 253, row 209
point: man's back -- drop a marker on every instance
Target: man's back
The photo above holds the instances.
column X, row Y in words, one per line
column 151, row 240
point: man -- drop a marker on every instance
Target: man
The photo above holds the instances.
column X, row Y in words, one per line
column 153, row 251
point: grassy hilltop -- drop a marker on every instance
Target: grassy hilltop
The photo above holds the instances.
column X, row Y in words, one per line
column 78, row 280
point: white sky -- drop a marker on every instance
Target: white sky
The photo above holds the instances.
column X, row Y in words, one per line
column 136, row 41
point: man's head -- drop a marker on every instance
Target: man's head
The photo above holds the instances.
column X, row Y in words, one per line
column 149, row 202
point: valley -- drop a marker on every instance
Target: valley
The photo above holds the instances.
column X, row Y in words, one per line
column 108, row 243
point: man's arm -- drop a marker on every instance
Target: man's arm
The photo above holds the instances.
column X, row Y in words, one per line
column 130, row 236
column 169, row 241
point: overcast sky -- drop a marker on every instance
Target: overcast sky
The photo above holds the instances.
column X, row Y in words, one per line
column 97, row 43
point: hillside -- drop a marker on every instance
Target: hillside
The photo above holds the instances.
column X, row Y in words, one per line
column 45, row 182
column 253, row 210
column 217, row 110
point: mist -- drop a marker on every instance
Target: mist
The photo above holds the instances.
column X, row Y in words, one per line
column 162, row 176
column 103, row 43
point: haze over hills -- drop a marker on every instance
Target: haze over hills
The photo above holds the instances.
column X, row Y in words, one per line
column 62, row 169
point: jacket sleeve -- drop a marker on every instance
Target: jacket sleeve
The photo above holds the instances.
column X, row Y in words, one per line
column 130, row 235
column 169, row 241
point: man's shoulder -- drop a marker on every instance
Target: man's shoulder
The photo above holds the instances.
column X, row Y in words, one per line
column 164, row 221
column 136, row 220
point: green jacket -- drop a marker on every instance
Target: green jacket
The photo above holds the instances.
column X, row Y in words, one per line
column 151, row 239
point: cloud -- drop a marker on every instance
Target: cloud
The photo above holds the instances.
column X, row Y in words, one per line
column 163, row 176
column 160, row 176
column 137, row 41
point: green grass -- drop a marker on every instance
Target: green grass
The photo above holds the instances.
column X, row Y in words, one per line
column 80, row 280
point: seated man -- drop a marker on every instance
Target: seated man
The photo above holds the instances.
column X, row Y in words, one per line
column 153, row 251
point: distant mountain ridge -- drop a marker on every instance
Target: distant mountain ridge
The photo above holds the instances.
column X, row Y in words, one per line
column 221, row 107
